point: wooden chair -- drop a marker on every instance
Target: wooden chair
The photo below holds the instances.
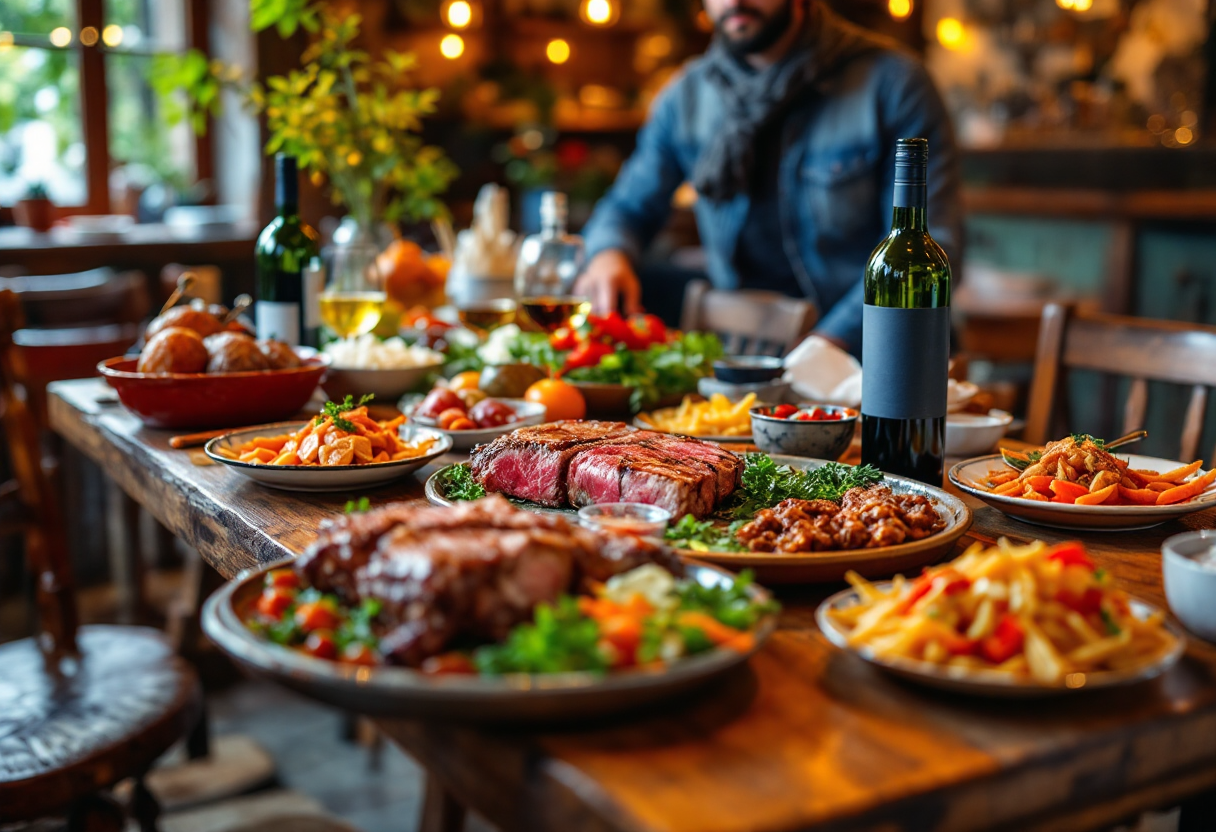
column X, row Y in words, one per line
column 1136, row 348
column 750, row 322
column 82, row 707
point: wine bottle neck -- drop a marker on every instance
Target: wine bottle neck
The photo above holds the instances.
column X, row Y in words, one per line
column 909, row 218
column 286, row 186
column 911, row 184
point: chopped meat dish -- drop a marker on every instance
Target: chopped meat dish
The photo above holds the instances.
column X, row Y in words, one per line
column 583, row 463
column 475, row 570
column 867, row 518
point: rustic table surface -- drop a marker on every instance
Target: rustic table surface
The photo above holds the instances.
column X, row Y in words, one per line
column 806, row 738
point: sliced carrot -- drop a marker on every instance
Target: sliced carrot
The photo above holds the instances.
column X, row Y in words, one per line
column 1012, row 487
column 1186, row 491
column 1159, row 486
column 286, row 458
column 271, row 443
column 381, row 457
column 714, row 630
column 1070, row 491
column 1179, row 474
column 1097, row 498
column 1136, row 478
column 1138, row 496
column 262, row 455
column 1042, row 484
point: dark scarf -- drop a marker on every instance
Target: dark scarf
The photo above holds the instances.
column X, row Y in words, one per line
column 754, row 100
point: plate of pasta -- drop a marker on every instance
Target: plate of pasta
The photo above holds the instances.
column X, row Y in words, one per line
column 1010, row 620
column 340, row 448
column 1076, row 483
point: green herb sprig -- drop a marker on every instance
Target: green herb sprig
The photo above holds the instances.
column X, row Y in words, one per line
column 703, row 535
column 729, row 604
column 335, row 411
column 765, row 483
column 363, row 504
column 458, row 484
column 561, row 639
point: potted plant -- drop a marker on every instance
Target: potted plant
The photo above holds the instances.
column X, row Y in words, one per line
column 35, row 210
column 346, row 117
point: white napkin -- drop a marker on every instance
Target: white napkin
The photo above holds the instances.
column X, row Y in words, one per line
column 820, row 371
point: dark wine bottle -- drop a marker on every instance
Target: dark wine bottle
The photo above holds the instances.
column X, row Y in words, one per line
column 905, row 351
column 284, row 252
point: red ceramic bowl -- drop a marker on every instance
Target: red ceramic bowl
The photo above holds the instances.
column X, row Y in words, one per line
column 219, row 400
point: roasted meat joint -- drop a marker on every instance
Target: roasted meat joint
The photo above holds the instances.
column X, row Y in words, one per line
column 583, row 463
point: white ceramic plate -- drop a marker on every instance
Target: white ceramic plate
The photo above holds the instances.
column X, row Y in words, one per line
column 528, row 413
column 969, row 474
column 325, row 477
column 990, row 682
column 968, row 434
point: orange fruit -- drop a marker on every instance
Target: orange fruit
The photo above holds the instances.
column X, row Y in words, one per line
column 561, row 400
column 467, row 380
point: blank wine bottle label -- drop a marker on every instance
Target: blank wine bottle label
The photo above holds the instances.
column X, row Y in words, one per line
column 280, row 321
column 905, row 359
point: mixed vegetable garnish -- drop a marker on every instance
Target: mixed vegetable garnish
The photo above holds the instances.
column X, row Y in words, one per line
column 645, row 617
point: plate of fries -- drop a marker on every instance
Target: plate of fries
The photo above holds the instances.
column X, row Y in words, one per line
column 715, row 419
column 1009, row 621
column 1074, row 483
column 319, row 455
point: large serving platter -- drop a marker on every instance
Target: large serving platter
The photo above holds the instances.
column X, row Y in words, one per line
column 402, row 692
column 969, row 474
column 992, row 683
column 325, row 477
column 815, row 567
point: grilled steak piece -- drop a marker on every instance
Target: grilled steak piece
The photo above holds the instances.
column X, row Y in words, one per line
column 475, row 570
column 530, row 463
column 682, row 475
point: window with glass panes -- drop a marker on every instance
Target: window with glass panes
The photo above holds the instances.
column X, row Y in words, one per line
column 77, row 115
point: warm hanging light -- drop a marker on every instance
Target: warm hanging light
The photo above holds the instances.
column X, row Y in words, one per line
column 600, row 12
column 459, row 14
column 451, row 47
column 61, row 36
column 89, row 35
column 111, row 36
column 899, row 9
column 557, row 51
column 950, row 33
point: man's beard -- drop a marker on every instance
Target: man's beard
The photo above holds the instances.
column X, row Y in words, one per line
column 770, row 32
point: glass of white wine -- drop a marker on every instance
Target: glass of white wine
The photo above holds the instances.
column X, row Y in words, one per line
column 354, row 297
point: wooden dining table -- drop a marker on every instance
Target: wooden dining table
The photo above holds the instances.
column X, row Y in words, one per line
column 805, row 737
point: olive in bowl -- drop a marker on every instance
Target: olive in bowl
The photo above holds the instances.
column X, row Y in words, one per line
column 821, row 431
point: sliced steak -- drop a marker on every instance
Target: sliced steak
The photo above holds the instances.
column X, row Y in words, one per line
column 530, row 463
column 637, row 473
column 475, row 570
column 728, row 467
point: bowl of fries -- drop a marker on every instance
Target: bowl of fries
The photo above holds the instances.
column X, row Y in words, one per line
column 1008, row 621
column 333, row 452
column 715, row 419
column 1074, row 483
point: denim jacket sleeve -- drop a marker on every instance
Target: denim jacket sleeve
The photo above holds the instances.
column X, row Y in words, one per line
column 911, row 107
column 637, row 205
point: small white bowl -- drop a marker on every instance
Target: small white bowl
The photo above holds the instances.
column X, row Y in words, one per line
column 627, row 518
column 387, row 385
column 958, row 393
column 971, row 434
column 1190, row 586
column 526, row 414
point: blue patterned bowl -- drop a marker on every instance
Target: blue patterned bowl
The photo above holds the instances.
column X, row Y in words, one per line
column 821, row 440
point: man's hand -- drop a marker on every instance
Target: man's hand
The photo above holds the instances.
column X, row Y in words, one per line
column 609, row 279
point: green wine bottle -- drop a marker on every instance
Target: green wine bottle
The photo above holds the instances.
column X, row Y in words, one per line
column 284, row 252
column 905, row 337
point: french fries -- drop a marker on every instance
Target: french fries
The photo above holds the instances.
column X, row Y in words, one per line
column 1035, row 612
column 716, row 417
column 323, row 442
column 1079, row 471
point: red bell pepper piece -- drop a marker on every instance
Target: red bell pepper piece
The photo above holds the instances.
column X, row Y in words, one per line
column 1087, row 603
column 588, row 354
column 1071, row 554
column 1005, row 642
column 949, row 579
column 650, row 328
column 563, row 339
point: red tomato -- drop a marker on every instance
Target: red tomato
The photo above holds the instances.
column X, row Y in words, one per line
column 285, row 578
column 949, row 579
column 1071, row 554
column 437, row 401
column 491, row 413
column 273, row 602
column 624, row 632
column 564, row 339
column 321, row 644
column 359, row 654
column 317, row 615
column 1005, row 642
column 650, row 328
column 783, row 411
column 587, row 355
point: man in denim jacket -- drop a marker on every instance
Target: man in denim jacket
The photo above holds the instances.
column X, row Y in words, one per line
column 787, row 129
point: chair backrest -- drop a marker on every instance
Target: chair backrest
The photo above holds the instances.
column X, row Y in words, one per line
column 45, row 543
column 749, row 322
column 97, row 296
column 1140, row 349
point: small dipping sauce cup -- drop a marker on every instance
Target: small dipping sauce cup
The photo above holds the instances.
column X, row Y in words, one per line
column 627, row 518
column 1189, row 565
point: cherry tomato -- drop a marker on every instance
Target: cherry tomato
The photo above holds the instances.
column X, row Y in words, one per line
column 316, row 615
column 491, row 413
column 463, row 423
column 285, row 578
column 274, row 601
column 783, row 411
column 1005, row 642
column 321, row 644
column 437, row 401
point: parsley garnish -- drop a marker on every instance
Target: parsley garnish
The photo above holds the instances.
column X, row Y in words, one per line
column 562, row 639
column 1082, row 437
column 458, row 484
column 703, row 535
column 1109, row 620
column 728, row 604
column 353, row 507
column 765, row 483
column 335, row 411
